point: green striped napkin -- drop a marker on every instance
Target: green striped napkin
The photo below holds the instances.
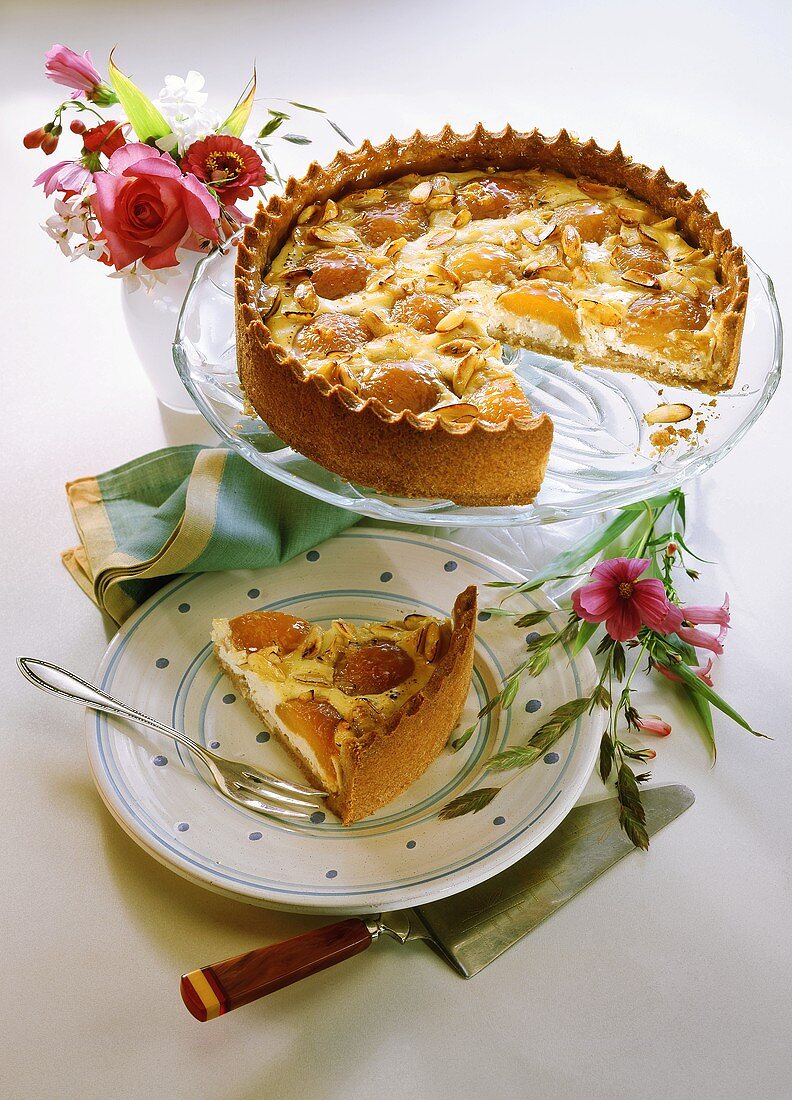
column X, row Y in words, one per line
column 185, row 509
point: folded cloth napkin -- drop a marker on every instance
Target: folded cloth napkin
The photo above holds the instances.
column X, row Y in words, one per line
column 186, row 509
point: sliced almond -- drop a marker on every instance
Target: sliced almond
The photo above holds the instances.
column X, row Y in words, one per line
column 465, row 370
column 640, row 278
column 334, row 234
column 370, row 197
column 306, row 214
column 666, row 223
column 626, row 217
column 295, row 274
column 330, row 211
column 460, row 413
column 462, row 218
column 430, row 641
column 669, row 414
column 594, row 189
column 572, row 245
column 305, row 297
column 395, row 247
column 421, row 192
column 446, row 275
column 414, row 622
column 268, row 299
column 452, row 320
column 537, row 238
column 346, row 378
column 556, row 273
column 442, row 185
column 441, row 238
column 600, row 312
column 439, row 202
column 457, row 347
column 375, row 322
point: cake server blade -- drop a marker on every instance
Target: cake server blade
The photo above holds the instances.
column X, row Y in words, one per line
column 472, row 929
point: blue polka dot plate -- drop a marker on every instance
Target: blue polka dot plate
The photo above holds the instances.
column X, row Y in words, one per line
column 161, row 661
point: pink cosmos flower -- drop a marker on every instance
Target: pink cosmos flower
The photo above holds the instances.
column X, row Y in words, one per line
column 147, row 208
column 702, row 671
column 67, row 175
column 66, row 67
column 624, row 603
column 653, row 723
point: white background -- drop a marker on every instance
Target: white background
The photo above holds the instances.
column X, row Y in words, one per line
column 671, row 976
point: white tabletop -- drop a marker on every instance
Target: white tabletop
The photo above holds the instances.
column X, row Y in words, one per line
column 672, row 975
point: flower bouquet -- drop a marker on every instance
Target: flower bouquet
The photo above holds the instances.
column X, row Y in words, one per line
column 634, row 596
column 151, row 176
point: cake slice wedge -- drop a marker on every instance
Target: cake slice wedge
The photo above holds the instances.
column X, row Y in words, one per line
column 363, row 709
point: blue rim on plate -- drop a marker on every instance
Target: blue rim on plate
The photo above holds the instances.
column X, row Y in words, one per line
column 402, row 856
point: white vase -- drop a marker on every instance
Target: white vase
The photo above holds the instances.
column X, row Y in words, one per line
column 151, row 317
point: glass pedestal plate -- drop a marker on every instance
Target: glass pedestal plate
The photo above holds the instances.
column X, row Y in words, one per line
column 602, row 455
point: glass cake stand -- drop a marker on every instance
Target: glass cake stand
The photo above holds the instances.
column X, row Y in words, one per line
column 602, row 455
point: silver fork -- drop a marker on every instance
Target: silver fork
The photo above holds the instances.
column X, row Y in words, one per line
column 252, row 788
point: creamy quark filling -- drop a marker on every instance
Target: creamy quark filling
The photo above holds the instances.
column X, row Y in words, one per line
column 405, row 292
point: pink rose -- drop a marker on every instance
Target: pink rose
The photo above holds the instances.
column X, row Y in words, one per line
column 148, row 209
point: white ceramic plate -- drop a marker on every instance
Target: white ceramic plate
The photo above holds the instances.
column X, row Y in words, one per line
column 161, row 661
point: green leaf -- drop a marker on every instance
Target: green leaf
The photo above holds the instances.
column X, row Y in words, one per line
column 606, row 757
column 469, row 803
column 305, row 107
column 270, row 127
column 518, row 756
column 531, row 619
column 585, row 633
column 146, row 120
column 632, row 816
column 706, row 692
column 297, row 139
column 238, row 119
column 339, row 131
column 464, row 737
column 570, row 561
column 509, row 692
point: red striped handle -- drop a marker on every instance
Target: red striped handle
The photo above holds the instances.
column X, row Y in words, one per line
column 214, row 990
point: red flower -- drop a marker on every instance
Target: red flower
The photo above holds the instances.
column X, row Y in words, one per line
column 617, row 598
column 148, row 209
column 226, row 164
column 105, row 138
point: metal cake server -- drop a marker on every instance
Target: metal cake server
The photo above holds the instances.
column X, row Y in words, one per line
column 469, row 930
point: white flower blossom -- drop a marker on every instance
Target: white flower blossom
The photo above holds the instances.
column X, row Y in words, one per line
column 91, row 248
column 136, row 276
column 183, row 105
column 58, row 229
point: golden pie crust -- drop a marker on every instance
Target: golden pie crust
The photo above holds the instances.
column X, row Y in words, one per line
column 468, row 460
column 377, row 765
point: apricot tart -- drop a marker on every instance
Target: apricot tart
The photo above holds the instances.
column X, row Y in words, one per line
column 363, row 709
column 375, row 296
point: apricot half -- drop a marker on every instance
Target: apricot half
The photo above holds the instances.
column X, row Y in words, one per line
column 545, row 302
column 336, row 272
column 653, row 316
column 316, row 720
column 592, row 221
column 481, row 261
column 263, row 629
column 387, row 221
column 422, row 311
column 401, row 385
column 331, row 334
column 372, row 669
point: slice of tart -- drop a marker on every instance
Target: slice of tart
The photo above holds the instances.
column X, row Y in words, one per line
column 374, row 299
column 364, row 709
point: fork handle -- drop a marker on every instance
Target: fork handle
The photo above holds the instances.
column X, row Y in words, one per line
column 214, row 990
column 68, row 685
